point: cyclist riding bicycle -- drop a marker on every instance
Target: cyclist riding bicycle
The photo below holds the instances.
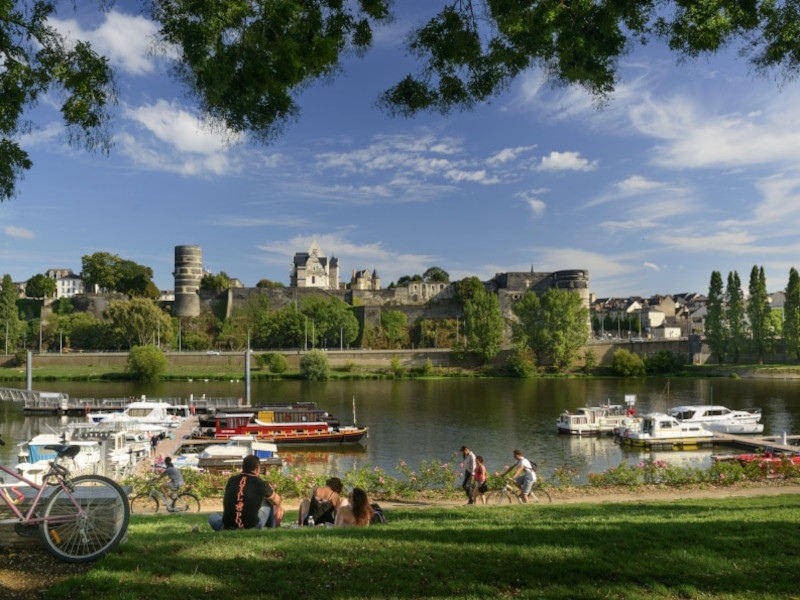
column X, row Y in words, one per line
column 174, row 476
column 524, row 476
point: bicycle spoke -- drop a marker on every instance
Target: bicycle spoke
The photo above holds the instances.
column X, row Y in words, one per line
column 144, row 504
column 87, row 523
column 186, row 503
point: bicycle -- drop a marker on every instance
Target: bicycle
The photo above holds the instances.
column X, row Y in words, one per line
column 82, row 518
column 509, row 493
column 147, row 503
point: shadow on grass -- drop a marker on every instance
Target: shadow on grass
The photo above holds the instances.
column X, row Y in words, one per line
column 738, row 548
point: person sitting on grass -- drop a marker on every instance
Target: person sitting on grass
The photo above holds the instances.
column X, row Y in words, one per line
column 324, row 503
column 358, row 513
column 249, row 501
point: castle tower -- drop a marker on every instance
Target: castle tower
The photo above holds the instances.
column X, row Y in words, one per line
column 188, row 273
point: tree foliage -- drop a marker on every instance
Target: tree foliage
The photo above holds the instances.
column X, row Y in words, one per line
column 467, row 288
column 436, row 274
column 40, row 286
column 139, row 321
column 735, row 316
column 37, row 61
column 471, row 50
column 245, row 61
column 627, row 364
column 791, row 316
column 555, row 326
column 314, row 366
column 716, row 328
column 147, row 363
column 9, row 313
column 758, row 312
column 111, row 273
column 215, row 283
column 483, row 325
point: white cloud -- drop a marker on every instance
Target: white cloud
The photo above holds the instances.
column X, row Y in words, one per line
column 636, row 184
column 178, row 127
column 690, row 135
column 125, row 40
column 18, row 232
column 651, row 266
column 480, row 176
column 536, row 205
column 566, row 161
column 507, row 154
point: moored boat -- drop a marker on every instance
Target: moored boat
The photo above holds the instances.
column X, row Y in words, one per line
column 603, row 419
column 228, row 456
column 720, row 418
column 663, row 432
column 596, row 420
column 297, row 432
column 142, row 413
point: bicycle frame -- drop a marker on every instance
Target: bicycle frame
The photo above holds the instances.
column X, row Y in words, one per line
column 28, row 517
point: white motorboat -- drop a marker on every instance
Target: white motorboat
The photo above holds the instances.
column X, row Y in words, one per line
column 660, row 431
column 720, row 418
column 595, row 420
column 144, row 413
column 228, row 456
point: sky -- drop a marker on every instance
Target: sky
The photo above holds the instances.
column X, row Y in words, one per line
column 689, row 168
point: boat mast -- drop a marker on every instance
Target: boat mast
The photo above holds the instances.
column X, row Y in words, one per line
column 354, row 411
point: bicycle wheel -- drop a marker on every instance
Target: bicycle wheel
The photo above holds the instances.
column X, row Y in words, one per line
column 186, row 502
column 539, row 495
column 87, row 521
column 144, row 504
column 499, row 497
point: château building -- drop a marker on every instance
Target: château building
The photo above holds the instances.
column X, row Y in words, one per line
column 312, row 269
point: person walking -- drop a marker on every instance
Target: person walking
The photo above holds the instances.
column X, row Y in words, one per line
column 479, row 475
column 469, row 467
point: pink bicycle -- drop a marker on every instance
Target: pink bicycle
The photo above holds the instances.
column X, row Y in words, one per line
column 79, row 519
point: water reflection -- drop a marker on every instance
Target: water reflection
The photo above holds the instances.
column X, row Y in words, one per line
column 412, row 420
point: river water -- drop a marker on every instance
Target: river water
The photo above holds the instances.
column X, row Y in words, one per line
column 414, row 420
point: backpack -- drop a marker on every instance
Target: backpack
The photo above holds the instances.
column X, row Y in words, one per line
column 377, row 515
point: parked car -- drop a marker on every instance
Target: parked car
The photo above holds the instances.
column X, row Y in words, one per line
column 212, row 352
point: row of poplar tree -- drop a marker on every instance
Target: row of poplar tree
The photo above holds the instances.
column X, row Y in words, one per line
column 736, row 325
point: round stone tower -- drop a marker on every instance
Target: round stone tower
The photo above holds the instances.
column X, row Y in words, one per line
column 188, row 272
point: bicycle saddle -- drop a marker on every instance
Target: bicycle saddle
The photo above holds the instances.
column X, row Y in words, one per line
column 64, row 451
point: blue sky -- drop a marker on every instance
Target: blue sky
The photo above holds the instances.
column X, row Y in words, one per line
column 688, row 169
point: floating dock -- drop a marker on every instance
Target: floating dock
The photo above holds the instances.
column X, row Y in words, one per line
column 56, row 403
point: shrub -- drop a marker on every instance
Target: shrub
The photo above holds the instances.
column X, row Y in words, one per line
column 397, row 368
column 147, row 363
column 522, row 363
column 278, row 363
column 427, row 368
column 314, row 366
column 628, row 364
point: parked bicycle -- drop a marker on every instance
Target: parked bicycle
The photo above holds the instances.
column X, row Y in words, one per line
column 79, row 519
column 509, row 493
column 149, row 502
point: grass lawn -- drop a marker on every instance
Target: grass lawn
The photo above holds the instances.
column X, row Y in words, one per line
column 731, row 548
